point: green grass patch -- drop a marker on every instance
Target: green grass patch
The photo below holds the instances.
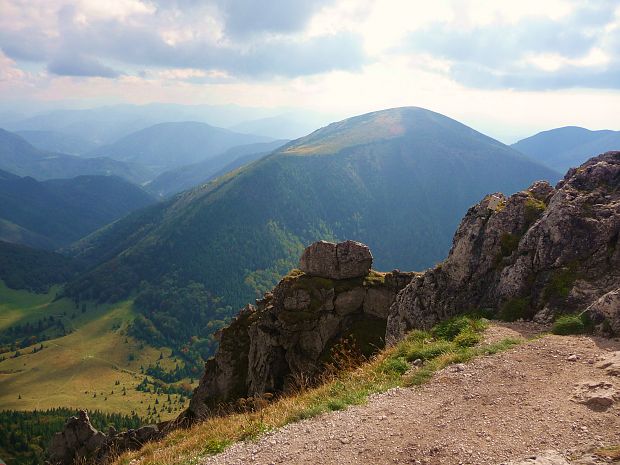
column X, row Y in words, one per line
column 571, row 324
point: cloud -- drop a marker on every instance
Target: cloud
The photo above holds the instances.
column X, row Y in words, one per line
column 534, row 53
column 79, row 65
column 247, row 18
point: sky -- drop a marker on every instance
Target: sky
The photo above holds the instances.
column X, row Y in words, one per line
column 508, row 68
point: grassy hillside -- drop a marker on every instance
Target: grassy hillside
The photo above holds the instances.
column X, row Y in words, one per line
column 94, row 366
column 398, row 180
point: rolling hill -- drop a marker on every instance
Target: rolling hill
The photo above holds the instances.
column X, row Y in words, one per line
column 170, row 145
column 19, row 157
column 53, row 141
column 54, row 213
column 567, row 147
column 186, row 177
column 398, row 180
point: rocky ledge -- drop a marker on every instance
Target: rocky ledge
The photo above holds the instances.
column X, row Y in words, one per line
column 80, row 442
column 291, row 331
column 536, row 254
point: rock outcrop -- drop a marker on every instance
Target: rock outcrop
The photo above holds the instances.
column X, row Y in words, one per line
column 291, row 331
column 535, row 254
column 345, row 260
column 81, row 441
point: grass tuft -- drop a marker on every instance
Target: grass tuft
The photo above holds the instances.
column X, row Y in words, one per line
column 571, row 324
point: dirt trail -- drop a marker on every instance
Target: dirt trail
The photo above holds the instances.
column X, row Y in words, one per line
column 490, row 411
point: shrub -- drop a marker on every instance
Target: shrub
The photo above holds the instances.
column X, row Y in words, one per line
column 514, row 309
column 467, row 338
column 571, row 324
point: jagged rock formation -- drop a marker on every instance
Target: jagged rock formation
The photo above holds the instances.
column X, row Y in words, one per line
column 346, row 260
column 535, row 254
column 291, row 331
column 80, row 440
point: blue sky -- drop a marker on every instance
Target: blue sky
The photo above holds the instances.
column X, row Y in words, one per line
column 505, row 67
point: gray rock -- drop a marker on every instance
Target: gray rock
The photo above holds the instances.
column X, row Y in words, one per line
column 542, row 252
column 344, row 260
column 611, row 364
column 287, row 338
column 605, row 312
column 545, row 458
column 597, row 395
column 80, row 442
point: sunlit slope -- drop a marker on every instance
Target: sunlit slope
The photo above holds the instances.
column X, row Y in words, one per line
column 95, row 358
column 398, row 180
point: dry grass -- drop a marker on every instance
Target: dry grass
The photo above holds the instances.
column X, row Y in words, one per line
column 390, row 368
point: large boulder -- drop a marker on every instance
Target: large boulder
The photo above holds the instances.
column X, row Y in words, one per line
column 605, row 313
column 543, row 251
column 344, row 260
column 289, row 335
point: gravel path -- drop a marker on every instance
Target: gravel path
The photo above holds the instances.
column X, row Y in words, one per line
column 489, row 411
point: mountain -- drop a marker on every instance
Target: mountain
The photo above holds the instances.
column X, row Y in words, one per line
column 19, row 157
column 567, row 147
column 105, row 125
column 23, row 267
column 186, row 177
column 170, row 145
column 397, row 180
column 53, row 141
column 56, row 212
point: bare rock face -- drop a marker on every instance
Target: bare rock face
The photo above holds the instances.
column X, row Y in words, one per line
column 290, row 333
column 542, row 251
column 344, row 260
column 80, row 442
column 78, row 439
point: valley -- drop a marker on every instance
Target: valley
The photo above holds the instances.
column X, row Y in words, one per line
column 95, row 365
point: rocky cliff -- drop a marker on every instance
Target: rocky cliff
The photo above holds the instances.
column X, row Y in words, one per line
column 291, row 331
column 536, row 254
column 80, row 442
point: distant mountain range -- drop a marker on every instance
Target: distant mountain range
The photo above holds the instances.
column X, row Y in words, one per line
column 52, row 141
column 54, row 213
column 19, row 157
column 105, row 125
column 171, row 145
column 186, row 177
column 567, row 147
column 398, row 180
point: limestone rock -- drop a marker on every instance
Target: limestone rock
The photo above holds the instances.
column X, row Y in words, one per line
column 289, row 335
column 344, row 260
column 543, row 251
column 78, row 439
column 80, row 442
column 605, row 312
column 597, row 395
column 611, row 364
column 545, row 458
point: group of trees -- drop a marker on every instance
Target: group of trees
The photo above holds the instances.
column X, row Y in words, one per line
column 183, row 318
column 25, row 436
